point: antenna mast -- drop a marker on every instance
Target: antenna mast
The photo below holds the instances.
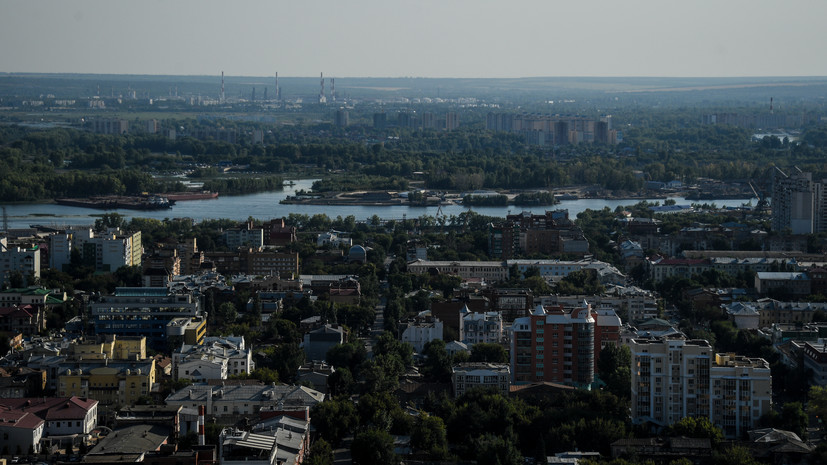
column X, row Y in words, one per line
column 221, row 95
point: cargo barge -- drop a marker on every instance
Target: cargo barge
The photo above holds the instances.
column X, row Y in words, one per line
column 179, row 196
column 114, row 202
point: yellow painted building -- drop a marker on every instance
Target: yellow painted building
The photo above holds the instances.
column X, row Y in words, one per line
column 109, row 383
column 123, row 348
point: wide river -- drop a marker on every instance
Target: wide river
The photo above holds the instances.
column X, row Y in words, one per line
column 266, row 205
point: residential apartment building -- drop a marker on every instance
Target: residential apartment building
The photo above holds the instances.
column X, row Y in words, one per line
column 255, row 262
column 475, row 328
column 25, row 261
column 798, row 203
column 555, row 129
column 106, row 251
column 634, row 304
column 673, row 378
column 109, row 126
column 277, row 233
column 217, row 358
column 526, row 234
column 143, row 311
column 424, row 329
column 248, row 236
column 467, row 376
column 552, row 345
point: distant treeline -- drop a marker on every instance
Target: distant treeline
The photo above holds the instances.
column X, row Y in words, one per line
column 34, row 164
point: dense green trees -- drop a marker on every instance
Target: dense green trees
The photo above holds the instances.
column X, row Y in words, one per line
column 460, row 160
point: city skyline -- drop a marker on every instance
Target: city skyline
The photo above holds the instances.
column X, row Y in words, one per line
column 372, row 38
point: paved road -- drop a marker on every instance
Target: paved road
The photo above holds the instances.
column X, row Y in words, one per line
column 341, row 455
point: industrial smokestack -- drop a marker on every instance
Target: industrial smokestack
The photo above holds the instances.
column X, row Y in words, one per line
column 333, row 89
column 322, row 98
column 278, row 92
column 221, row 96
column 202, row 439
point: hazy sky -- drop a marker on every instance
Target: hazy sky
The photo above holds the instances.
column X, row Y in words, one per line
column 429, row 38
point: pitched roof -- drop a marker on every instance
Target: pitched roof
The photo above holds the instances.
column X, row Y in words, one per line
column 18, row 419
column 51, row 408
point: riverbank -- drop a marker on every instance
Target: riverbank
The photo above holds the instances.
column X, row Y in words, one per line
column 267, row 205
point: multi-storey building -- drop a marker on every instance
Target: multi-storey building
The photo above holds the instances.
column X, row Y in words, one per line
column 797, row 203
column 25, row 261
column 248, row 236
column 255, row 262
column 112, row 348
column 451, row 121
column 510, row 303
column 106, row 251
column 551, row 234
column 552, row 345
column 110, row 126
column 217, row 358
column 146, row 311
column 632, row 303
column 673, row 378
column 477, row 328
column 276, row 232
column 555, row 129
column 424, row 329
column 467, row 376
column 25, row 319
column 119, row 382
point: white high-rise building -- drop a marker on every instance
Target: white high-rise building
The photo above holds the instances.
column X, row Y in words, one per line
column 798, row 203
column 673, row 378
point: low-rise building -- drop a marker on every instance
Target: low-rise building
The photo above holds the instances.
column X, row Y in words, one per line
column 237, row 447
column 121, row 383
column 246, row 399
column 317, row 342
column 65, row 419
column 424, row 329
column 814, row 355
column 467, row 376
column 20, row 432
column 794, row 283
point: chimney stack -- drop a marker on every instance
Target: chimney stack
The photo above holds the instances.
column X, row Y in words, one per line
column 202, row 440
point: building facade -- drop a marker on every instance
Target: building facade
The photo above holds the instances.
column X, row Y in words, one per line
column 146, row 311
column 673, row 378
column 467, row 376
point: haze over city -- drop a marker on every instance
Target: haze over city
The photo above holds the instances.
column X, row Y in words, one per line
column 426, row 38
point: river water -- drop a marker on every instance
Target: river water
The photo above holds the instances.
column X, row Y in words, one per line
column 266, row 205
